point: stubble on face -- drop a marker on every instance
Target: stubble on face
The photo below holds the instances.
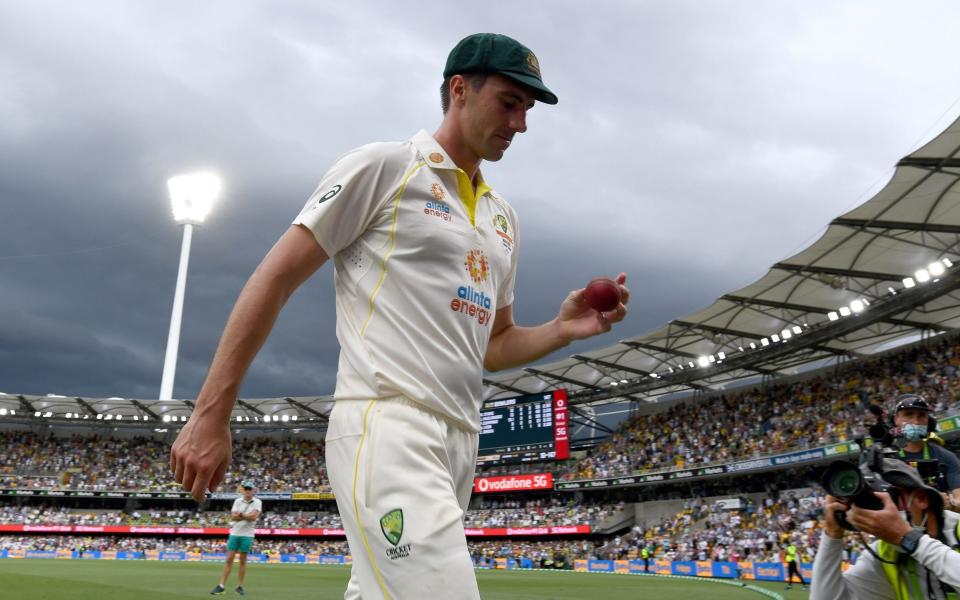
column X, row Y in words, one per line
column 496, row 113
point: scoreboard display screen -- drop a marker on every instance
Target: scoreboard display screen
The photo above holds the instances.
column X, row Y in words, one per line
column 531, row 428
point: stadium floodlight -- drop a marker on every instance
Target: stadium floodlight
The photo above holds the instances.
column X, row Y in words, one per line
column 857, row 306
column 845, row 311
column 703, row 361
column 721, row 355
column 936, row 269
column 908, row 282
column 37, row 414
column 775, row 338
column 191, row 196
column 286, row 418
column 166, row 418
column 3, row 412
column 922, row 275
column 295, row 417
column 753, row 346
column 764, row 342
column 47, row 415
column 797, row 330
column 786, row 334
column 946, row 262
column 99, row 416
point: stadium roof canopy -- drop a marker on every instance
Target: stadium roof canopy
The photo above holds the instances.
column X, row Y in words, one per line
column 881, row 275
column 261, row 413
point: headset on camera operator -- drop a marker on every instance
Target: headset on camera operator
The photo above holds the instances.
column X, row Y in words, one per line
column 917, row 553
column 915, row 425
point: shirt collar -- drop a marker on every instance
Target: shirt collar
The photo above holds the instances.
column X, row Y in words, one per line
column 436, row 157
column 432, row 152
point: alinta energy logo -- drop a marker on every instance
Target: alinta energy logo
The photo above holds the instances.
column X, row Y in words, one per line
column 470, row 301
column 436, row 208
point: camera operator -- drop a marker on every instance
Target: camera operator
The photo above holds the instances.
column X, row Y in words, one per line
column 917, row 555
column 914, row 417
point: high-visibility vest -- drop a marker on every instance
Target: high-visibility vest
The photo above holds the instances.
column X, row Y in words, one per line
column 908, row 588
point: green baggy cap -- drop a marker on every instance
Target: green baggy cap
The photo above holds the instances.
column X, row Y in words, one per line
column 496, row 53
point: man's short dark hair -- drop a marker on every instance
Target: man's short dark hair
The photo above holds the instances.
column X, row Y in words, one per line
column 476, row 81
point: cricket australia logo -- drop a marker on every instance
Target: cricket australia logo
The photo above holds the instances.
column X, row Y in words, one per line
column 502, row 227
column 391, row 524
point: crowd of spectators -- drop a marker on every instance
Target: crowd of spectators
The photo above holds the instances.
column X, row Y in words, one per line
column 542, row 512
column 757, row 532
column 778, row 417
column 93, row 462
column 775, row 418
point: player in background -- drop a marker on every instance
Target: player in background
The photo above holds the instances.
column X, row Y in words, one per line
column 425, row 256
column 914, row 416
column 244, row 514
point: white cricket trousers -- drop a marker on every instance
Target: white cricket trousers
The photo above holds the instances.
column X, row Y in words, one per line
column 402, row 476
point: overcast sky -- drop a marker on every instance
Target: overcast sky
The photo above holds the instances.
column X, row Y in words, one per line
column 695, row 144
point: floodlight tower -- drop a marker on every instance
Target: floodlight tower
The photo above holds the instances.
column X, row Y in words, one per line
column 191, row 197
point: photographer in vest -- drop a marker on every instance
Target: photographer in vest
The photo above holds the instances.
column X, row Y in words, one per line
column 913, row 416
column 917, row 552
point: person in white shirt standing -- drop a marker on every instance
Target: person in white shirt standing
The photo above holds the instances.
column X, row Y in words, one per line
column 425, row 256
column 244, row 514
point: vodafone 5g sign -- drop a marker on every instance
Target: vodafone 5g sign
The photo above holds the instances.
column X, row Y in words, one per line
column 513, row 483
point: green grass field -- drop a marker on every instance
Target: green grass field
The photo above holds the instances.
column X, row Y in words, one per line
column 40, row 579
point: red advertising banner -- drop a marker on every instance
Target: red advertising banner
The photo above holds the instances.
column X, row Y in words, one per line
column 560, row 425
column 511, row 531
column 223, row 531
column 160, row 529
column 513, row 483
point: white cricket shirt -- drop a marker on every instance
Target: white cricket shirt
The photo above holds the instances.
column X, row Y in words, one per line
column 245, row 528
column 421, row 267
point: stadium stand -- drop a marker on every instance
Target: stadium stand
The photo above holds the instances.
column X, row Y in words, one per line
column 731, row 518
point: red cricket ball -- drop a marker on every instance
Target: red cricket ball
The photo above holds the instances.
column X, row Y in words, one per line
column 602, row 294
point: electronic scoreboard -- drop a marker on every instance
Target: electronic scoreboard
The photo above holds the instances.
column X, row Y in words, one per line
column 531, row 428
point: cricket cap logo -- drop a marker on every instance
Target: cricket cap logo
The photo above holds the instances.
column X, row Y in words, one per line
column 477, row 266
column 391, row 524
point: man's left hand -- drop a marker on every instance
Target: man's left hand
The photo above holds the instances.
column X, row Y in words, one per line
column 579, row 321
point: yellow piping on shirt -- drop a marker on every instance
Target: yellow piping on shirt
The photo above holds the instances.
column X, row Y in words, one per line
column 356, row 506
column 392, row 246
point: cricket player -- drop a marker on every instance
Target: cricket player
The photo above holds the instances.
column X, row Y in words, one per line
column 425, row 256
column 244, row 514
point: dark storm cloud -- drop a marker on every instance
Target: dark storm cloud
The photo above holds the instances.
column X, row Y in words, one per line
column 694, row 145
